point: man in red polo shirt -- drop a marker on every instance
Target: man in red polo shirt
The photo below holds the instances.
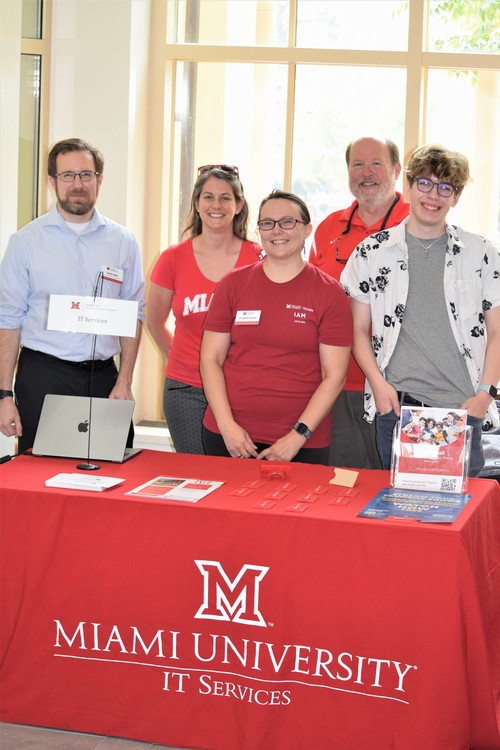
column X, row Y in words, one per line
column 373, row 167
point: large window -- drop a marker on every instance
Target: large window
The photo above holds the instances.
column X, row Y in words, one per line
column 279, row 87
column 34, row 62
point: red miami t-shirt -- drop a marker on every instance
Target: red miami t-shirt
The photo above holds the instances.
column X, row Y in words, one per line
column 273, row 368
column 176, row 269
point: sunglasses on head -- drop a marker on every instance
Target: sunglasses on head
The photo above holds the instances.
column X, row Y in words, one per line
column 224, row 167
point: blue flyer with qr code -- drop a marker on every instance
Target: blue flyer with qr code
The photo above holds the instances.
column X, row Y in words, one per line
column 428, row 507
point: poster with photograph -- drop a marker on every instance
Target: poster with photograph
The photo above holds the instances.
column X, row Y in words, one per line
column 430, row 449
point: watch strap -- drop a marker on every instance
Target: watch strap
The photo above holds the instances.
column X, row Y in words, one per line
column 490, row 389
column 6, row 394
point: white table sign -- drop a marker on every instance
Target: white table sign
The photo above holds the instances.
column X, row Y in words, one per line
column 100, row 315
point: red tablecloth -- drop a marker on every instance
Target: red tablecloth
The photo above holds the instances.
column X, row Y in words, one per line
column 224, row 626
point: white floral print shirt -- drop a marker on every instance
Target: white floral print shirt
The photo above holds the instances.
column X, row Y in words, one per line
column 377, row 274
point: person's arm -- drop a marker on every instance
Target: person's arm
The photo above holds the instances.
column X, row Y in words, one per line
column 10, row 422
column 214, row 349
column 157, row 311
column 386, row 397
column 334, row 363
column 128, row 355
column 478, row 405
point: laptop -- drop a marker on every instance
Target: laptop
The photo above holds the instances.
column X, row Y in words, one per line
column 69, row 424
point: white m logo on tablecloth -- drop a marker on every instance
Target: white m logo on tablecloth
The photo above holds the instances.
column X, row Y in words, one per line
column 236, row 600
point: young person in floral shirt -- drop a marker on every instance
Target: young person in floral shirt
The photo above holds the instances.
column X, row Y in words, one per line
column 430, row 293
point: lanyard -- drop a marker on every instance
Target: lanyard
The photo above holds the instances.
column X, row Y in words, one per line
column 349, row 222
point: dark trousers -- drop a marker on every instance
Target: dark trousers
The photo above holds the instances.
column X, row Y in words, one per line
column 215, row 446
column 353, row 442
column 39, row 374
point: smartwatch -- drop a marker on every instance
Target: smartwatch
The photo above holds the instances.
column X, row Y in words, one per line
column 493, row 392
column 5, row 394
column 302, row 429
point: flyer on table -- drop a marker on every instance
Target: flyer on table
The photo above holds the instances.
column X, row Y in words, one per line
column 176, row 488
column 428, row 507
column 430, row 450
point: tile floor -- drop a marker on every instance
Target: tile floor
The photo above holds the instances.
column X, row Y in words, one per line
column 21, row 737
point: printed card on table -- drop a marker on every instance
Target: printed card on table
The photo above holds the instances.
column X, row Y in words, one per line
column 176, row 488
column 430, row 450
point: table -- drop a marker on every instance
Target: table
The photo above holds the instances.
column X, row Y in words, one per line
column 232, row 625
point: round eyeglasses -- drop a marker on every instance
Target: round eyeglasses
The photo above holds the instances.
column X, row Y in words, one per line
column 86, row 176
column 266, row 225
column 444, row 189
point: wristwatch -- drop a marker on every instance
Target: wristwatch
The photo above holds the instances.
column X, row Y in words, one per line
column 5, row 394
column 302, row 429
column 493, row 392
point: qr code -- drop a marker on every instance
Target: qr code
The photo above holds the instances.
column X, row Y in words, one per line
column 448, row 484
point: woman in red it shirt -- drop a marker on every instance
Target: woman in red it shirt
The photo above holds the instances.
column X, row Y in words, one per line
column 183, row 281
column 276, row 347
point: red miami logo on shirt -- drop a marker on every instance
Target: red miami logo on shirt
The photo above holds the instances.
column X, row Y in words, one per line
column 237, row 600
column 75, row 305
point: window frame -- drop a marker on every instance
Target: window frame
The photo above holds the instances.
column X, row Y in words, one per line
column 42, row 48
column 416, row 61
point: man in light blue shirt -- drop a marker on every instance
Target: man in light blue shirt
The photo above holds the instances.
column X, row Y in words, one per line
column 64, row 252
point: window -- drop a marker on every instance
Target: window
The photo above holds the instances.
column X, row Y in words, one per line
column 279, row 87
column 29, row 145
column 34, row 62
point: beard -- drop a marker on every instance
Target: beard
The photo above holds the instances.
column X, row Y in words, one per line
column 77, row 205
column 78, row 201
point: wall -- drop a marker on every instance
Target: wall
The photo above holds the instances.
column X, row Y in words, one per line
column 100, row 91
column 10, row 58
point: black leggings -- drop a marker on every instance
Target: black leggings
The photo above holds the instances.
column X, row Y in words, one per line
column 215, row 446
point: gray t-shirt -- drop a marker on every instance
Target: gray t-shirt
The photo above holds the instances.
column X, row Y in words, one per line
column 426, row 362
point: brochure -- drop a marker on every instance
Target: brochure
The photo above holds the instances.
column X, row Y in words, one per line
column 176, row 488
column 428, row 507
column 83, row 482
column 431, row 449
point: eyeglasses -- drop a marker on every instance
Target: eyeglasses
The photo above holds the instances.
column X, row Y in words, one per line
column 340, row 260
column 229, row 168
column 267, row 224
column 70, row 176
column 426, row 186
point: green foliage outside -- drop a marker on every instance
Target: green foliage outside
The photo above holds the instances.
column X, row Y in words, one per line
column 480, row 20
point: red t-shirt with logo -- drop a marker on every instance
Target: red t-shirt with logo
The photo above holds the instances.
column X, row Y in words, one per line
column 324, row 251
column 176, row 269
column 273, row 367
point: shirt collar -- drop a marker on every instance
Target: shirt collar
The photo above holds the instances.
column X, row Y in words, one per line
column 54, row 218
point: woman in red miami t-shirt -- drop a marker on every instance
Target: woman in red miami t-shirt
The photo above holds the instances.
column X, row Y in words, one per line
column 275, row 348
column 183, row 281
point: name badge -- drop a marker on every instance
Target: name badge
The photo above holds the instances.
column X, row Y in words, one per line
column 112, row 274
column 247, row 317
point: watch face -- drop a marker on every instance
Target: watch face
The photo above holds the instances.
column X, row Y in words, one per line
column 302, row 429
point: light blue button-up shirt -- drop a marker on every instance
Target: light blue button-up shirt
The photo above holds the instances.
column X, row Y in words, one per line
column 46, row 257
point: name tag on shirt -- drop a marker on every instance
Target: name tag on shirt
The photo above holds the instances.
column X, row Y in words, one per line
column 112, row 274
column 247, row 317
